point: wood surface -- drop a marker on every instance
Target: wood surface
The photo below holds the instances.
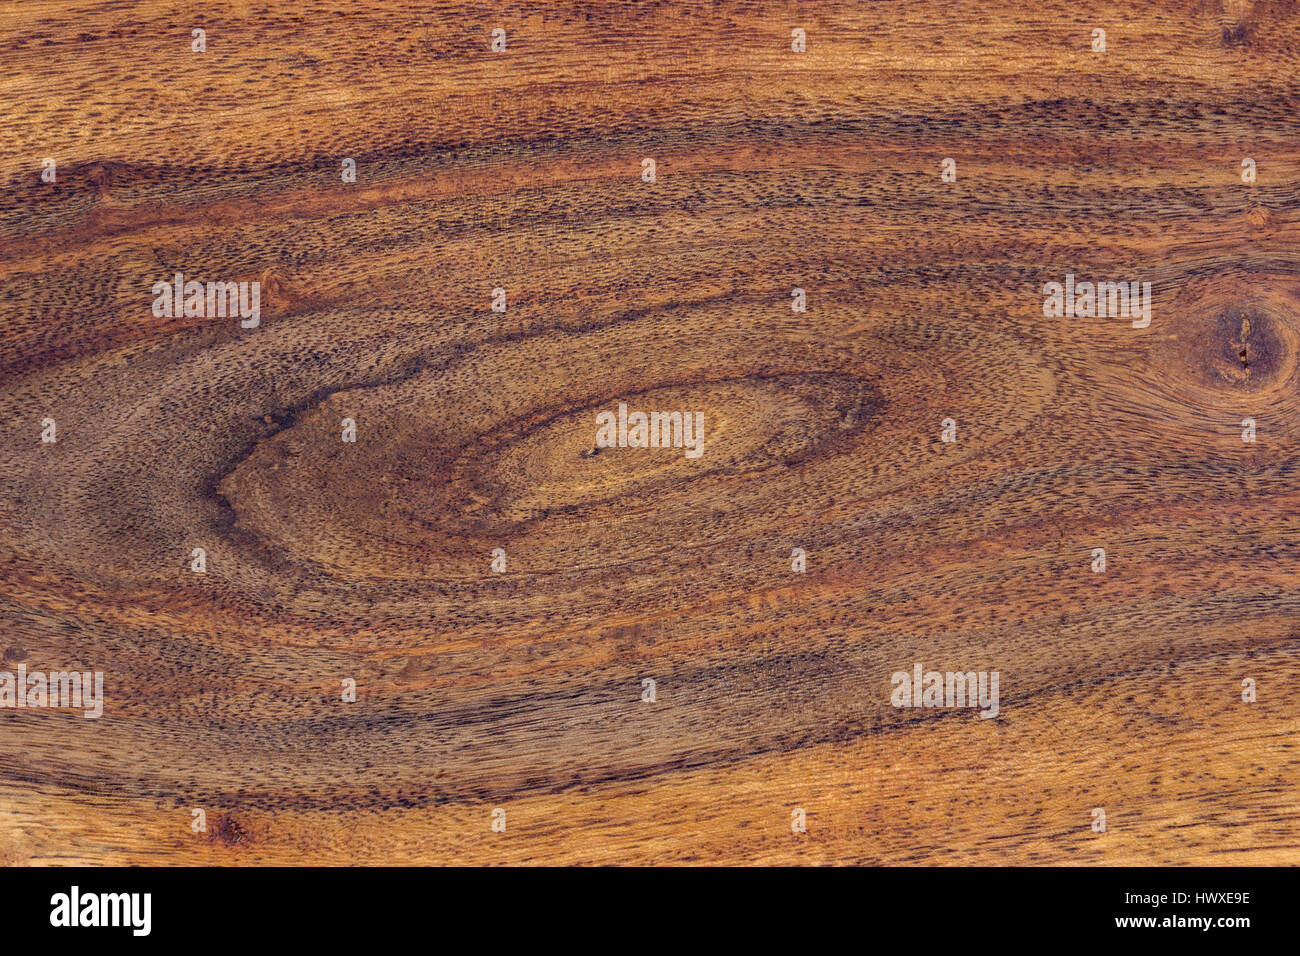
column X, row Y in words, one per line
column 522, row 690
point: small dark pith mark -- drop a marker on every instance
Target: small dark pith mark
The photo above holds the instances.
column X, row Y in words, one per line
column 1244, row 354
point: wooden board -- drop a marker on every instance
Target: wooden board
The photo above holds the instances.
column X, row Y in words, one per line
column 1124, row 690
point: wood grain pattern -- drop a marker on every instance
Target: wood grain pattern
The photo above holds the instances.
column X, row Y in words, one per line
column 522, row 690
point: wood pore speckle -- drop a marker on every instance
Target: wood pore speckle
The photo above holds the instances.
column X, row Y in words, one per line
column 371, row 561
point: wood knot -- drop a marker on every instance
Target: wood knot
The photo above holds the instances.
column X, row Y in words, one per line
column 1258, row 217
column 100, row 176
column 1243, row 346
